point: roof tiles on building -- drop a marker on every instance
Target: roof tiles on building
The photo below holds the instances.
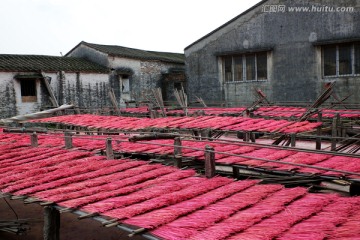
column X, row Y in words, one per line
column 137, row 53
column 14, row 62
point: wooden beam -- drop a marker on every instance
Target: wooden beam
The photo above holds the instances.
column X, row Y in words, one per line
column 177, row 153
column 34, row 140
column 114, row 102
column 209, row 161
column 318, row 132
column 51, row 229
column 51, row 93
column 68, row 140
column 334, row 133
column 236, row 173
column 252, row 137
column 177, row 146
column 152, row 136
column 109, row 149
column 293, row 139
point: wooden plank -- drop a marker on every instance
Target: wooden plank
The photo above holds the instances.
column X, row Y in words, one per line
column 51, row 93
column 114, row 102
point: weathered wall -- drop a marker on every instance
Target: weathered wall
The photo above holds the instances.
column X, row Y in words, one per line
column 146, row 74
column 7, row 95
column 85, row 90
column 167, row 85
column 152, row 76
column 294, row 65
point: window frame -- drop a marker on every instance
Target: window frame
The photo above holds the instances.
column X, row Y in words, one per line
column 337, row 61
column 244, row 56
column 25, row 96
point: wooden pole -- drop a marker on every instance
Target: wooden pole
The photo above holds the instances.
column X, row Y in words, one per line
column 109, row 149
column 333, row 133
column 34, row 140
column 209, row 161
column 51, row 223
column 318, row 132
column 252, row 137
column 114, row 102
column 293, row 140
column 177, row 146
column 68, row 140
column 339, row 125
column 236, row 172
column 177, row 152
column 247, row 136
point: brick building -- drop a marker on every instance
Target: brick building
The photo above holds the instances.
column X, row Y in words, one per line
column 135, row 72
column 72, row 80
column 289, row 49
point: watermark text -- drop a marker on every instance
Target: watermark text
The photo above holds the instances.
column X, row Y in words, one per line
column 313, row 8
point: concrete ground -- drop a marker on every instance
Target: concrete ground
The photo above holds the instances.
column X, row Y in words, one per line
column 70, row 227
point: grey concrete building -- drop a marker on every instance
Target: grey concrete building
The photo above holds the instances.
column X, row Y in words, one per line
column 135, row 72
column 289, row 49
column 23, row 87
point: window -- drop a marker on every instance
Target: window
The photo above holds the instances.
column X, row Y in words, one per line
column 329, row 60
column 250, row 67
column 245, row 67
column 228, row 69
column 125, row 85
column 341, row 60
column 261, row 59
column 28, row 90
column 357, row 58
column 238, row 68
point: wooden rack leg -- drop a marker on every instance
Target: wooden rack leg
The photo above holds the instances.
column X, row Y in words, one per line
column 51, row 229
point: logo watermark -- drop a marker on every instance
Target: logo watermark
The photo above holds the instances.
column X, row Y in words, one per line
column 313, row 8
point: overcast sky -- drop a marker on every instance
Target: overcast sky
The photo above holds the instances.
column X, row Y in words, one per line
column 48, row 27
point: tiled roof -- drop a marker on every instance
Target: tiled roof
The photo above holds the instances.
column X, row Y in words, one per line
column 137, row 53
column 171, row 203
column 13, row 62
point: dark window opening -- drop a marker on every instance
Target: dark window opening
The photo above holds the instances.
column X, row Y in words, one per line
column 345, row 60
column 228, row 69
column 330, row 60
column 28, row 90
column 357, row 58
column 178, row 86
column 261, row 60
column 250, row 67
column 238, row 68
